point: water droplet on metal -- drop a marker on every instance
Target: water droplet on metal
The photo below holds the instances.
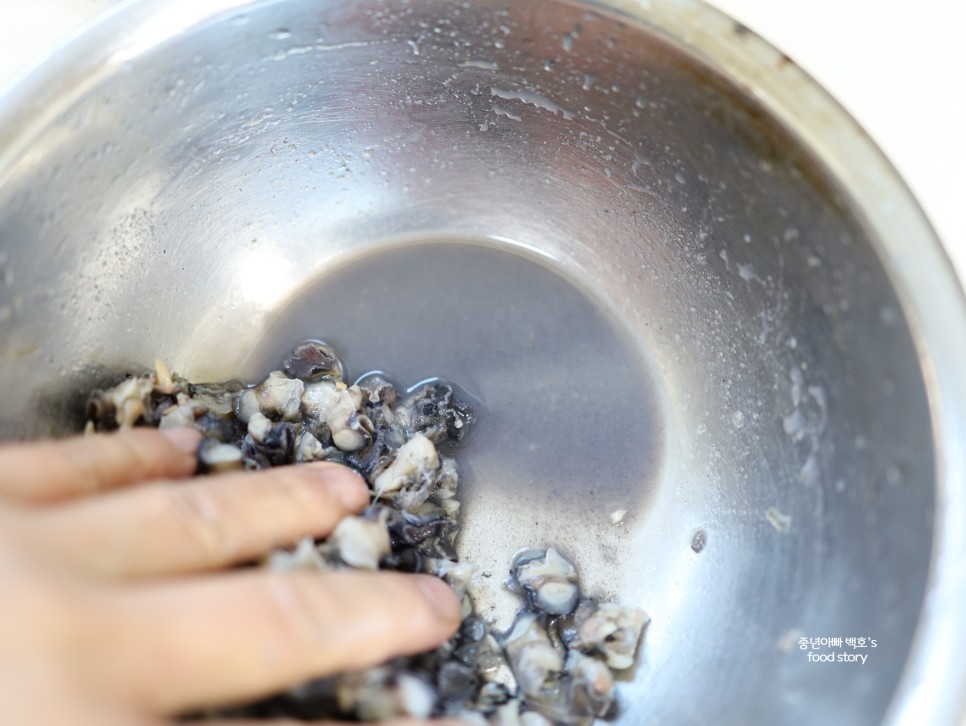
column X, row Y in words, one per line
column 699, row 540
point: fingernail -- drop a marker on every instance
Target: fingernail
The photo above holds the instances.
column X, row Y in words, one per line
column 439, row 596
column 347, row 486
column 183, row 439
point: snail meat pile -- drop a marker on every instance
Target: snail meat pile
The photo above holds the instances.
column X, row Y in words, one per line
column 556, row 664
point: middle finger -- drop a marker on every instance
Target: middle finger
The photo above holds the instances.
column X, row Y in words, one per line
column 174, row 528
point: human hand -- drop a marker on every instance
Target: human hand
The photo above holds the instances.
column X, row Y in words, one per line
column 112, row 609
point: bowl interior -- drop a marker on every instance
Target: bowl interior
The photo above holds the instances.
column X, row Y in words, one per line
column 665, row 304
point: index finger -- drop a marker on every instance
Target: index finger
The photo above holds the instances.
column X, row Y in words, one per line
column 43, row 472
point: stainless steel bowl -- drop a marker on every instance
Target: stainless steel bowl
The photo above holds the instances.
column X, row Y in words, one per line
column 804, row 329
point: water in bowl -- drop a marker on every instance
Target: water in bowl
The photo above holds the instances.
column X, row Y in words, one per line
column 568, row 433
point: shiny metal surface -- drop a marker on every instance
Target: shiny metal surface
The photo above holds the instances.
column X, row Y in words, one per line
column 805, row 330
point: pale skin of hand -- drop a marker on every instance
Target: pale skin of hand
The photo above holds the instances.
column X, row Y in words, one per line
column 116, row 604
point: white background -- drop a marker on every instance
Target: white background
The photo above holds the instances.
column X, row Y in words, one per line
column 899, row 66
